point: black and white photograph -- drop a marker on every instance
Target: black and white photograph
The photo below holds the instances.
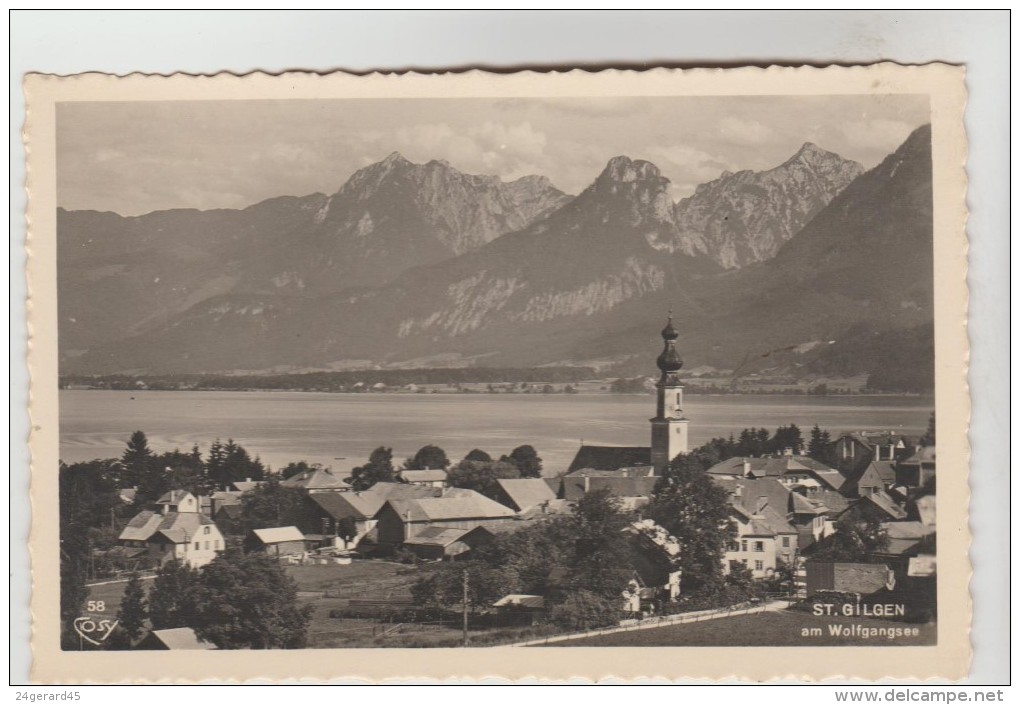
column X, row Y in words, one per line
column 474, row 370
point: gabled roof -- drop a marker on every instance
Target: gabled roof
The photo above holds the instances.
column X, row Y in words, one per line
column 610, row 457
column 878, row 473
column 876, row 438
column 231, row 511
column 438, row 475
column 180, row 638
column 925, row 455
column 279, row 534
column 748, row 491
column 575, row 487
column 473, row 506
column 778, row 467
column 443, row 536
column 834, row 502
column 525, row 493
column 315, row 479
column 247, row 485
column 904, row 536
column 531, row 601
column 222, row 498
column 181, row 527
column 799, row 504
column 142, row 526
column 365, row 505
column 886, row 503
column 173, row 497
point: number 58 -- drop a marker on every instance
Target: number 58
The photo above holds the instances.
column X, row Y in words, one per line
column 96, row 606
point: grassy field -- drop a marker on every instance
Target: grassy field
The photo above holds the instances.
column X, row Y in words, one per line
column 766, row 629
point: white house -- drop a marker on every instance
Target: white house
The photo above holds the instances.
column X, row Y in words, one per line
column 176, row 530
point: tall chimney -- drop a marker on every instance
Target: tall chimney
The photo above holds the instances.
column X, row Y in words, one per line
column 747, row 467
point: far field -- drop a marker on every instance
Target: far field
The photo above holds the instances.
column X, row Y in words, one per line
column 765, row 629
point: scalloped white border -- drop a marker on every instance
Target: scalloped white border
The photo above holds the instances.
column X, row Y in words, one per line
column 950, row 659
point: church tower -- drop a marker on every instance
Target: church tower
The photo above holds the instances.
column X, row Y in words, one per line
column 669, row 427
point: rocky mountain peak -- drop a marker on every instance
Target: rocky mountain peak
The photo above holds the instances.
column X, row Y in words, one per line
column 626, row 170
column 742, row 218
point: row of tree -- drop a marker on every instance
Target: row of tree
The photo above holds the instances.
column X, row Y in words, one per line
column 477, row 470
column 238, row 601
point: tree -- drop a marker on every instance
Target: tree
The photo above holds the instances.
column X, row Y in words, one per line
column 600, row 563
column 379, row 468
column 820, row 447
column 928, row 439
column 430, row 457
column 526, row 459
column 271, row 504
column 137, row 459
column 444, row 587
column 479, row 455
column 584, row 610
column 688, row 504
column 786, row 437
column 482, row 476
column 172, row 598
column 184, row 471
column 856, row 539
column 247, row 601
column 131, row 616
column 292, row 469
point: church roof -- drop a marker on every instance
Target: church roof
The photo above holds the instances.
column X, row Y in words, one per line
column 610, row 457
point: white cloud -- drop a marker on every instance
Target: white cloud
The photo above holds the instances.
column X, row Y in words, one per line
column 743, row 131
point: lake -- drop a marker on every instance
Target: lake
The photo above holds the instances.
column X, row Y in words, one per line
column 340, row 430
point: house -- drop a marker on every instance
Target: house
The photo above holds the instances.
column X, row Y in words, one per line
column 807, row 515
column 860, row 578
column 871, row 445
column 400, row 519
column 277, row 541
column 441, row 543
column 423, row 478
column 222, row 499
column 611, row 458
column 655, row 558
column 324, row 511
column 877, row 477
column 635, row 491
column 179, row 639
column 177, row 530
column 316, row 480
column 519, row 610
column 765, row 540
column 918, row 469
column 524, row 494
column 881, row 507
column 793, row 471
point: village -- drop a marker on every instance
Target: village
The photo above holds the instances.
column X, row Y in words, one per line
column 490, row 551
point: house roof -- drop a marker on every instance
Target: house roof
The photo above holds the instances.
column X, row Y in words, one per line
column 232, row 511
column 531, row 601
column 473, row 506
column 610, row 457
column 904, row 536
column 778, row 467
column 525, row 493
column 767, row 522
column 438, row 475
column 575, row 487
column 180, row 638
column 246, row 485
column 442, row 536
column 834, row 502
column 748, row 491
column 925, row 455
column 181, row 527
column 223, row 498
column 278, row 534
column 315, row 479
column 555, row 484
column 886, row 503
column 366, row 504
column 880, row 472
column 173, row 497
column 874, row 438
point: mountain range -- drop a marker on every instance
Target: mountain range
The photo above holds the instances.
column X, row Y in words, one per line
column 419, row 264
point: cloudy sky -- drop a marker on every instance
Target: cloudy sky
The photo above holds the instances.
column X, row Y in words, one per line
column 136, row 157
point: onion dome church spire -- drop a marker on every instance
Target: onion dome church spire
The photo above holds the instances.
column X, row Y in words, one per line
column 669, row 361
column 669, row 427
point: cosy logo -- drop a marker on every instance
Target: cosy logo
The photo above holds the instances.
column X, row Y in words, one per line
column 95, row 629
